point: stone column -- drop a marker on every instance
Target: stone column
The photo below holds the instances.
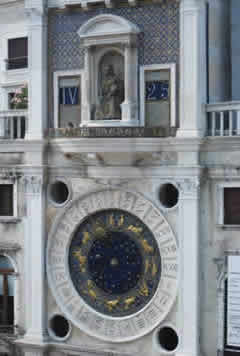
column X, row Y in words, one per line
column 189, row 300
column 129, row 106
column 34, row 253
column 86, row 89
column 235, row 49
column 37, row 49
column 192, row 68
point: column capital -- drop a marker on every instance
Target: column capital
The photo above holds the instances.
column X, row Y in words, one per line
column 191, row 4
column 37, row 6
column 32, row 184
column 10, row 174
column 189, row 187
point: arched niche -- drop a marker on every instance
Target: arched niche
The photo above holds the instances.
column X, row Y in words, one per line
column 112, row 39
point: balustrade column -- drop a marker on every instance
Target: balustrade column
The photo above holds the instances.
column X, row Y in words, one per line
column 192, row 68
column 189, row 300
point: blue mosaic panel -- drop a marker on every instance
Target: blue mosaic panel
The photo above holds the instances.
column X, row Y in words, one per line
column 158, row 41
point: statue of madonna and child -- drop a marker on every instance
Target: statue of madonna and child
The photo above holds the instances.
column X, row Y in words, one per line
column 111, row 95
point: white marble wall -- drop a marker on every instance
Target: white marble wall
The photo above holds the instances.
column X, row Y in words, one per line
column 235, row 32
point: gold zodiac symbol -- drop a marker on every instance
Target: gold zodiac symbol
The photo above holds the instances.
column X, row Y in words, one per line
column 135, row 229
column 86, row 237
column 91, row 291
column 147, row 248
column 112, row 304
column 147, row 265
column 121, row 221
column 144, row 290
column 100, row 231
column 111, row 220
column 129, row 301
column 154, row 268
column 81, row 259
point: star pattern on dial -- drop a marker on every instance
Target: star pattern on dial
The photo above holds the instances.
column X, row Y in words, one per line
column 114, row 262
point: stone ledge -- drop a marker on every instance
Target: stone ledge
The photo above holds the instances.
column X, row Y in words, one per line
column 94, row 132
column 9, row 220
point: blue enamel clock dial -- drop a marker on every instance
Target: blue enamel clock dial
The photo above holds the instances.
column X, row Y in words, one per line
column 114, row 262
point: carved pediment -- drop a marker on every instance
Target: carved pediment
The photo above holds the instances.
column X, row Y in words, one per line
column 107, row 25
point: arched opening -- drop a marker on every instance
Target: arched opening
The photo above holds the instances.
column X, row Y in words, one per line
column 6, row 295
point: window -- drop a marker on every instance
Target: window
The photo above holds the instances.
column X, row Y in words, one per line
column 6, row 295
column 6, row 200
column 232, row 206
column 17, row 53
column 158, row 96
column 67, row 99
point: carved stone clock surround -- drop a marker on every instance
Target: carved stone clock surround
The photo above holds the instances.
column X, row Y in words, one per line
column 112, row 329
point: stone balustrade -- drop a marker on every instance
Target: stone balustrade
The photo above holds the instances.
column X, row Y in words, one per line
column 13, row 124
column 223, row 119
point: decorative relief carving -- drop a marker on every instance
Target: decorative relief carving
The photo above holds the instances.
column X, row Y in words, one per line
column 9, row 174
column 189, row 186
column 32, row 184
column 108, row 327
column 156, row 158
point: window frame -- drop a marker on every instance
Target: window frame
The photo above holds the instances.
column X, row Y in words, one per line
column 9, row 59
column 14, row 217
column 56, row 77
column 5, row 39
column 152, row 68
column 220, row 203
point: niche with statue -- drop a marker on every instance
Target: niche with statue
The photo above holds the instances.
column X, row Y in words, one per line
column 110, row 96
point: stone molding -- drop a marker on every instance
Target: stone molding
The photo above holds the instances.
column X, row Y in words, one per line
column 9, row 174
column 9, row 247
column 86, row 4
column 38, row 6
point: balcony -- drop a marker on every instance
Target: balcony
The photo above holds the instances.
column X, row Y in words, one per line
column 223, row 119
column 13, row 124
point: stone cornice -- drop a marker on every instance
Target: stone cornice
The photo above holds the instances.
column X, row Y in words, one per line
column 86, row 4
column 138, row 144
column 10, row 2
column 133, row 144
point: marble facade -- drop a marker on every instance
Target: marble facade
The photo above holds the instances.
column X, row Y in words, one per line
column 114, row 172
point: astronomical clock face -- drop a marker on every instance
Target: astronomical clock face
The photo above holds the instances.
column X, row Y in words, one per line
column 112, row 265
column 114, row 262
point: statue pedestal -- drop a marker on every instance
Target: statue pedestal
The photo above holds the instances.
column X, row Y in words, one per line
column 111, row 123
